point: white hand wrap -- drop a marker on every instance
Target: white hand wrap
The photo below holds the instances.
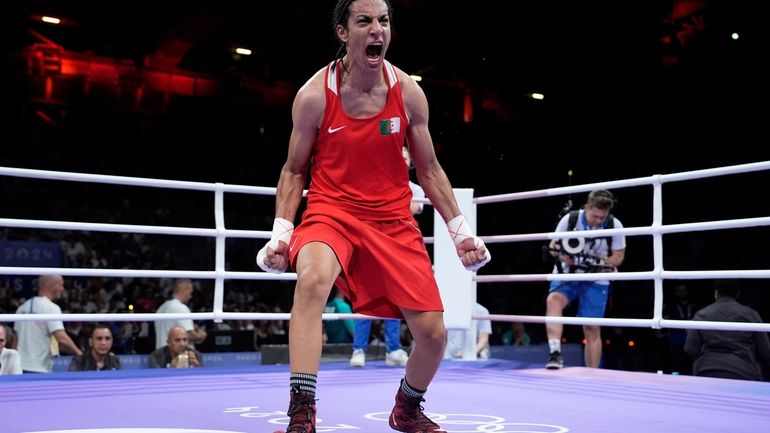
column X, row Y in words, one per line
column 282, row 230
column 460, row 231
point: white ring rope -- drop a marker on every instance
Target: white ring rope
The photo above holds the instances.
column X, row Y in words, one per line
column 656, row 230
column 626, row 276
column 150, row 317
column 633, row 231
column 640, row 181
column 125, row 228
column 134, row 181
column 144, row 273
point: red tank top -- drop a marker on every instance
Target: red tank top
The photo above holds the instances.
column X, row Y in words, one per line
column 356, row 164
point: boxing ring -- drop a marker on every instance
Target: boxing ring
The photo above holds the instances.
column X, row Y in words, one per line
column 478, row 396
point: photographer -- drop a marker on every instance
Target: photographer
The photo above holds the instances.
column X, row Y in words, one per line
column 583, row 255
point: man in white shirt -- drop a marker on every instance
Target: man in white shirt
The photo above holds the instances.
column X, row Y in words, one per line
column 417, row 191
column 456, row 337
column 10, row 360
column 181, row 293
column 39, row 341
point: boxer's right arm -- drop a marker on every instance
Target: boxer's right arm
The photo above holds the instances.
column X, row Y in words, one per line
column 307, row 113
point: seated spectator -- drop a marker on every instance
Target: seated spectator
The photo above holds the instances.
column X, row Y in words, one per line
column 456, row 337
column 261, row 334
column 516, row 336
column 338, row 331
column 10, row 360
column 728, row 354
column 99, row 357
column 177, row 353
column 680, row 308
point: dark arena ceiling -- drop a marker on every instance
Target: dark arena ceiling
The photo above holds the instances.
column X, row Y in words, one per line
column 645, row 74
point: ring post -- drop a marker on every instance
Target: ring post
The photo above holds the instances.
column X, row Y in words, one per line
column 456, row 285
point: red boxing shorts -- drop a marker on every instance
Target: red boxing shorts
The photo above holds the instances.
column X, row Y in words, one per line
column 384, row 263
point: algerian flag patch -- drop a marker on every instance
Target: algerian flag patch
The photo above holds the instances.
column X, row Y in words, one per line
column 390, row 126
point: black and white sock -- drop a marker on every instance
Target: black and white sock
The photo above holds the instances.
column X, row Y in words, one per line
column 303, row 382
column 410, row 391
column 554, row 344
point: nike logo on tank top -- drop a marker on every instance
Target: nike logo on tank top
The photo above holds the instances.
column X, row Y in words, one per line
column 356, row 164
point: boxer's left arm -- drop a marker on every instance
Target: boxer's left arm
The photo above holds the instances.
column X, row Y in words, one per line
column 471, row 250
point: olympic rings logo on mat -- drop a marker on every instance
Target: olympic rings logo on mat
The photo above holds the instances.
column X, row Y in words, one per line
column 451, row 422
column 476, row 423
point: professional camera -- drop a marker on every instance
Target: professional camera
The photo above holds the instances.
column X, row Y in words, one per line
column 572, row 246
column 574, row 249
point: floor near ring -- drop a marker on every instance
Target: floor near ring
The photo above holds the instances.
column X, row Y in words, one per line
column 479, row 396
